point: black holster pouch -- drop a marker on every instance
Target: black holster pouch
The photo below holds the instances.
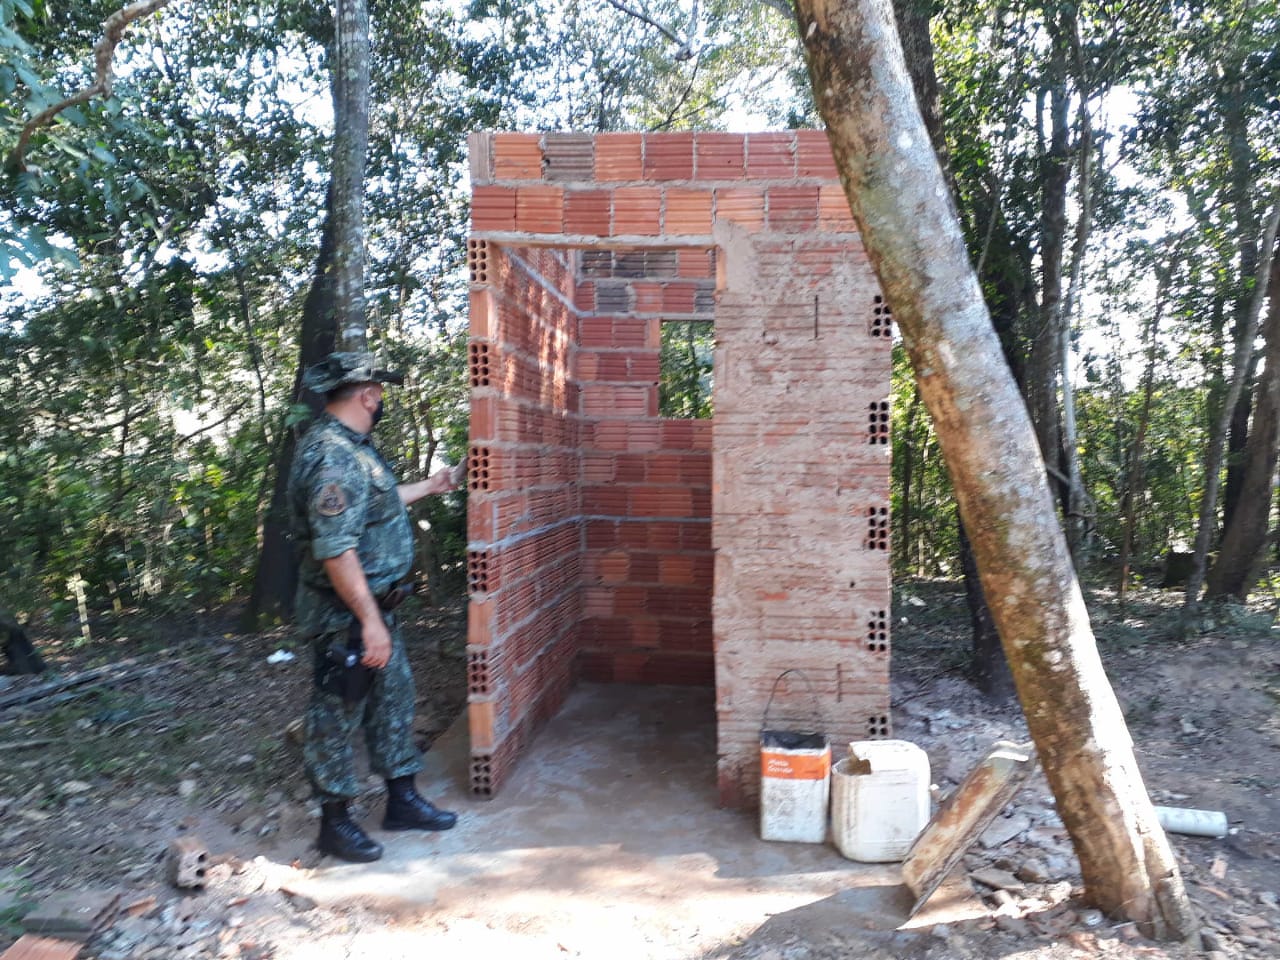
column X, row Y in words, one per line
column 339, row 670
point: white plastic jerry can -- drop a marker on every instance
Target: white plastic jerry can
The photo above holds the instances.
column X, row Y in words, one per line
column 879, row 799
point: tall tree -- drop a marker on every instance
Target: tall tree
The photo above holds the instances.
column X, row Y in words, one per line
column 899, row 200
column 1245, row 538
column 350, row 150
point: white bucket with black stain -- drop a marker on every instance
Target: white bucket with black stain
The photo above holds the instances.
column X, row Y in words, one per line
column 795, row 766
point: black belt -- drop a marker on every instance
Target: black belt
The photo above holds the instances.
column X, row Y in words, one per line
column 397, row 594
column 387, row 601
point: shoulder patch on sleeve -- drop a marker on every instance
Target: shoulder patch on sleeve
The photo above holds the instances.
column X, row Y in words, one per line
column 330, row 501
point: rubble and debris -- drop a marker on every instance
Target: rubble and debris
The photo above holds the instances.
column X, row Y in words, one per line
column 72, row 914
column 187, row 863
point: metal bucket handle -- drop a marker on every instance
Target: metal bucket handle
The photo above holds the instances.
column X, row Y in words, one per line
column 816, row 715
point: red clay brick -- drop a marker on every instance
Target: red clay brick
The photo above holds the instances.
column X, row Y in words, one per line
column 587, row 212
column 813, row 155
column 668, row 156
column 720, row 156
column 619, row 156
column 479, row 623
column 833, row 209
column 480, row 716
column 771, row 156
column 516, row 156
column 662, row 468
column 697, row 263
column 615, row 400
column 615, row 566
column 647, row 297
column 678, row 298
column 741, row 205
column 483, row 418
column 687, row 211
column 631, row 468
column 677, row 570
column 584, row 296
column 482, row 314
column 637, row 211
column 540, row 209
column 493, row 208
column 793, row 209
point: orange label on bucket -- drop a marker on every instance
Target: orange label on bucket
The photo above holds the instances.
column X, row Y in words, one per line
column 788, row 766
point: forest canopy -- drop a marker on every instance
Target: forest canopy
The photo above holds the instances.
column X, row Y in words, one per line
column 1113, row 166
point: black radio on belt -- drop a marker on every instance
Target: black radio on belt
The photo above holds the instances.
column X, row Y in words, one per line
column 339, row 670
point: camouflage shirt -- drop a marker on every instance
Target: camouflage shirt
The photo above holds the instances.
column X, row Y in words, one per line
column 342, row 495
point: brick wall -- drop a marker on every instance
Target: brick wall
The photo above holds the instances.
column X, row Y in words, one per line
column 524, row 560
column 606, row 541
column 646, row 482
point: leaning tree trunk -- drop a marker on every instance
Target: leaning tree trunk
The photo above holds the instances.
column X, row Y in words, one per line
column 1243, row 544
column 910, row 228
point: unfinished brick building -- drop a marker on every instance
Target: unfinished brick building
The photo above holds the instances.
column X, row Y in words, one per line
column 611, row 545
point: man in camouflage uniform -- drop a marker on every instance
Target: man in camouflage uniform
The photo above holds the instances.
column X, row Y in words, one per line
column 352, row 530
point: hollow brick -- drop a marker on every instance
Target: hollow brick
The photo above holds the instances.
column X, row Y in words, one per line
column 668, row 156
column 540, row 209
column 720, row 156
column 637, row 211
column 813, row 155
column 587, row 212
column 493, row 208
column 771, row 156
column 741, row 205
column 686, row 212
column 619, row 156
column 516, row 156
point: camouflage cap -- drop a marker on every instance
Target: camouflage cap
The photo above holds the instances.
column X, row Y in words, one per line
column 343, row 367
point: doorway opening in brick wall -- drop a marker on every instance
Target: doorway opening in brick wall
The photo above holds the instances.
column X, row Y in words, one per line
column 599, row 548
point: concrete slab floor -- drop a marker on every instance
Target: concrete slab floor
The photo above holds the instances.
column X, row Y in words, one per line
column 606, row 841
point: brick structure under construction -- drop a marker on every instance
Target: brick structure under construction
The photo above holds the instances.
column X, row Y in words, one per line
column 609, row 544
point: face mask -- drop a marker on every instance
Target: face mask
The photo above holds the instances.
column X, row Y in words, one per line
column 377, row 414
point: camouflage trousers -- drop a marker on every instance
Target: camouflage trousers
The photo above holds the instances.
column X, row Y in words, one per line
column 386, row 714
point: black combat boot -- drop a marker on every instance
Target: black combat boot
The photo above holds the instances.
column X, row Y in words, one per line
column 342, row 836
column 407, row 810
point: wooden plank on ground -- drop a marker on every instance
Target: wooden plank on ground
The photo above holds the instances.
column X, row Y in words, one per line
column 32, row 947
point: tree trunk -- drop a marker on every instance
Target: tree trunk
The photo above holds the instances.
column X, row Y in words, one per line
column 990, row 666
column 1055, row 176
column 276, row 576
column 1134, row 471
column 1244, row 542
column 333, row 314
column 350, row 146
column 1077, row 522
column 1213, row 456
column 1241, row 194
column 910, row 228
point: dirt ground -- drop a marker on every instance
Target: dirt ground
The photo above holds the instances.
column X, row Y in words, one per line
column 188, row 736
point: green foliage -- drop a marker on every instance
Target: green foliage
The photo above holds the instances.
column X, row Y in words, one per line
column 685, row 388
column 922, row 505
column 175, row 228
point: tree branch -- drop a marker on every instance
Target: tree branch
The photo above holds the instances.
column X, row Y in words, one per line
column 644, row 18
column 103, row 51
